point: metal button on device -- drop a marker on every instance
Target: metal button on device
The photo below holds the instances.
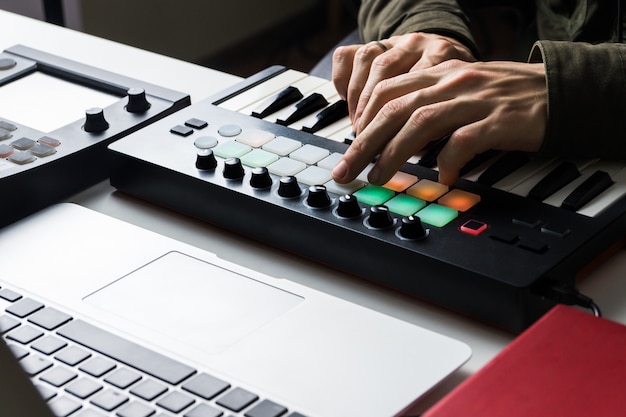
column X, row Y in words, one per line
column 260, row 178
column 233, row 170
column 318, row 197
column 288, row 187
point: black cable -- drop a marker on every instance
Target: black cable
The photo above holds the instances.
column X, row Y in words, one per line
column 569, row 294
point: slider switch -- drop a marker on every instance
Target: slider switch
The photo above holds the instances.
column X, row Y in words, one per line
column 137, row 101
column 95, row 121
column 412, row 228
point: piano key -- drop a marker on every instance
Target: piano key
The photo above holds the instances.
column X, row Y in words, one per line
column 304, row 107
column 263, row 90
column 608, row 197
column 520, row 175
column 478, row 164
column 339, row 135
column 429, row 158
column 502, row 167
column 333, row 113
column 306, row 85
column 556, row 179
column 524, row 187
column 279, row 101
column 587, row 191
column 329, row 93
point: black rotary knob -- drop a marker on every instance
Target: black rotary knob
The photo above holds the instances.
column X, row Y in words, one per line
column 318, row 197
column 260, row 178
column 412, row 228
column 206, row 160
column 288, row 187
column 95, row 121
column 348, row 207
column 137, row 101
column 379, row 217
column 233, row 170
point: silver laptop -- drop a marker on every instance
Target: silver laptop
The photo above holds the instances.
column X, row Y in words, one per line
column 108, row 319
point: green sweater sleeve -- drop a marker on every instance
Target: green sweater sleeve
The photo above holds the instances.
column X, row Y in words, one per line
column 586, row 98
column 381, row 19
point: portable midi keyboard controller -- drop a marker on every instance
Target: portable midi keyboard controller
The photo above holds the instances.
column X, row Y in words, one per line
column 56, row 118
column 490, row 246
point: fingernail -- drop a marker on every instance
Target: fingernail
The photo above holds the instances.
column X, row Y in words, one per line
column 340, row 170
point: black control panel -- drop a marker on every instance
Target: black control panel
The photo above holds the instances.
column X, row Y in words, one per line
column 41, row 165
column 474, row 248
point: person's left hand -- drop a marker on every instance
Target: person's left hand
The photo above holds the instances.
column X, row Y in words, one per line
column 483, row 105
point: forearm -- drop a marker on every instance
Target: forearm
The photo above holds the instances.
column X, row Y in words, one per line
column 586, row 98
column 381, row 19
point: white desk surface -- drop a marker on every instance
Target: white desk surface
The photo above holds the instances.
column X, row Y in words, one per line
column 605, row 285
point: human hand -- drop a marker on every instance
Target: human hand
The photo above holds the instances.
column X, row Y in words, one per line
column 358, row 68
column 484, row 105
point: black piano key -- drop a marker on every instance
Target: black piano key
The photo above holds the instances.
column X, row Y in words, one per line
column 502, row 167
column 329, row 115
column 279, row 101
column 127, row 352
column 587, row 191
column 556, row 179
column 303, row 108
column 429, row 159
column 478, row 160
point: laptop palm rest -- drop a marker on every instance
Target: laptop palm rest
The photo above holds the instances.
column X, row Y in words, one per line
column 210, row 307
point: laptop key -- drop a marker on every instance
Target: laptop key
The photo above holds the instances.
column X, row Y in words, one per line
column 175, row 402
column 63, row 406
column 204, row 410
column 135, row 409
column 24, row 307
column 122, row 378
column 127, row 352
column 148, row 390
column 73, row 355
column 237, row 399
column 266, row 408
column 109, row 400
column 205, row 386
column 97, row 366
column 25, row 334
column 83, row 388
column 7, row 323
column 49, row 318
column 34, row 364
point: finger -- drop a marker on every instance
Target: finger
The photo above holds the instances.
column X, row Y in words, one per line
column 392, row 88
column 393, row 62
column 343, row 58
column 464, row 144
column 361, row 66
column 429, row 122
column 370, row 142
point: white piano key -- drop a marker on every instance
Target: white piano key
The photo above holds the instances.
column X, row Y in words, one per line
column 337, row 131
column 263, row 90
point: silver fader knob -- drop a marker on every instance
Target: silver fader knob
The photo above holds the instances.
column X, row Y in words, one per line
column 137, row 101
column 95, row 121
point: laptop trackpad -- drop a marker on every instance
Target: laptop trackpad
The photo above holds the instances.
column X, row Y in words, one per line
column 194, row 301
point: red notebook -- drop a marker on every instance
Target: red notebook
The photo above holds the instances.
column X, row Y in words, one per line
column 569, row 363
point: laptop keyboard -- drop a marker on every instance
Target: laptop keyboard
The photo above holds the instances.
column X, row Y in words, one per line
column 84, row 371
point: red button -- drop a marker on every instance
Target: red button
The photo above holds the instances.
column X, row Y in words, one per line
column 473, row 227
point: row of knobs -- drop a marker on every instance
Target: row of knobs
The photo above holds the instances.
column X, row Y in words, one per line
column 348, row 207
column 95, row 121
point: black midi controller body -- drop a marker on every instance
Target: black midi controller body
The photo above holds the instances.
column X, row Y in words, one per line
column 482, row 247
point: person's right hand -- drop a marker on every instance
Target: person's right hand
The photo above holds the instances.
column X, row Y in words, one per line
column 358, row 68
